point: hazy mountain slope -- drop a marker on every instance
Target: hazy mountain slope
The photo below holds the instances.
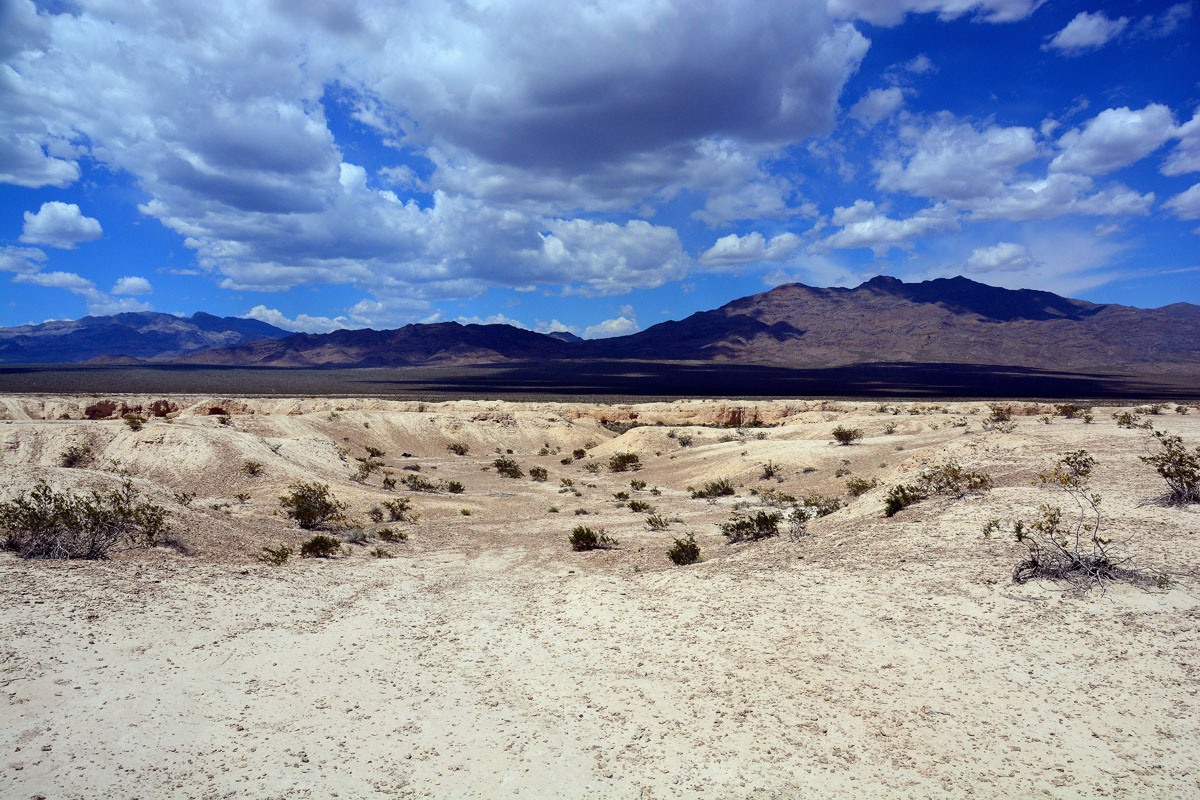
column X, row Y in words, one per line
column 140, row 335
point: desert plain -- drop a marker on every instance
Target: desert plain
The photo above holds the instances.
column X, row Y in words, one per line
column 474, row 653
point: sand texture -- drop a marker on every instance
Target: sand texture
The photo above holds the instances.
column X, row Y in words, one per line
column 874, row 657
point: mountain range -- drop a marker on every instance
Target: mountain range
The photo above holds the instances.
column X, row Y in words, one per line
column 942, row 321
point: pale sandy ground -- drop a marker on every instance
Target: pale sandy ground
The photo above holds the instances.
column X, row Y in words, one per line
column 876, row 658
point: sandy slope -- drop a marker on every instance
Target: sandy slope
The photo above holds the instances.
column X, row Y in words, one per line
column 877, row 657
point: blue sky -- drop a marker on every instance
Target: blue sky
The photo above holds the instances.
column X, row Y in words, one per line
column 594, row 167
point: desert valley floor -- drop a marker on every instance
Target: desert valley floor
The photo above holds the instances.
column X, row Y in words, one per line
column 871, row 657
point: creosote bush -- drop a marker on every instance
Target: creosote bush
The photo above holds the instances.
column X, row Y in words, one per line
column 622, row 462
column 945, row 479
column 856, row 487
column 134, row 421
column 312, row 506
column 275, row 556
column 639, row 506
column 458, row 448
column 718, row 488
column 507, row 467
column 684, row 551
column 845, row 436
column 455, row 487
column 657, row 522
column 252, row 468
column 399, row 509
column 538, row 474
column 77, row 455
column 320, row 546
column 1178, row 467
column 389, row 535
column 585, row 538
column 752, row 527
column 44, row 523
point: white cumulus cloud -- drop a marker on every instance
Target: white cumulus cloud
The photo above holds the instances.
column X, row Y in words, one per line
column 303, row 323
column 1114, row 138
column 734, row 249
column 60, row 225
column 1002, row 257
column 621, row 326
column 1087, row 31
column 132, row 284
column 1186, row 204
column 876, row 105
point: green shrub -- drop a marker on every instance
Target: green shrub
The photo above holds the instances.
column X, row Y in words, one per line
column 277, row 556
column 44, row 523
column 639, row 506
column 374, row 452
column 718, row 488
column 418, row 484
column 242, row 497
column 857, row 487
column 757, row 526
column 312, row 506
column 320, row 546
column 77, row 455
column 637, row 485
column 458, row 448
column 945, row 479
column 684, row 551
column 365, row 468
column 398, row 509
column 375, row 514
column 821, row 506
column 389, row 483
column 592, row 467
column 684, row 439
column 455, row 487
column 844, row 436
column 622, row 462
column 585, row 538
column 538, row 474
column 1124, row 419
column 507, row 467
column 770, row 470
column 389, row 535
column 134, row 421
column 657, row 522
column 621, row 495
column 1178, row 467
column 379, row 552
column 252, row 468
column 578, row 453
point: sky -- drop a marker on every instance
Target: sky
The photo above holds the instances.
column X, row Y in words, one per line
column 596, row 167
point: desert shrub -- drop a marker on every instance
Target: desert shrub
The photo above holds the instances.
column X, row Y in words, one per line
column 1153, row 409
column 857, row 487
column 718, row 488
column 592, row 467
column 77, row 455
column 455, row 487
column 389, row 535
column 374, row 452
column 365, row 468
column 622, row 495
column 841, row 472
column 44, row 523
column 621, row 462
column 581, row 512
column 375, row 514
column 312, row 506
column 185, row 498
column 418, row 484
column 684, row 551
column 507, row 467
column 844, row 436
column 224, row 419
column 275, row 556
column 821, row 506
column 538, row 474
column 1067, row 410
column 1064, row 546
column 389, row 482
column 134, row 421
column 1125, row 419
column 945, row 479
column 637, row 485
column 359, row 537
column 752, row 527
column 252, row 468
column 411, row 467
column 398, row 509
column 1181, row 409
column 379, row 552
column 657, row 522
column 458, row 448
column 770, row 470
column 566, row 460
column 639, row 506
column 242, row 497
column 889, row 428
column 774, row 497
column 1001, row 413
column 684, row 439
column 320, row 546
column 585, row 538
column 797, row 522
column 578, row 453
column 566, row 483
column 1178, row 467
